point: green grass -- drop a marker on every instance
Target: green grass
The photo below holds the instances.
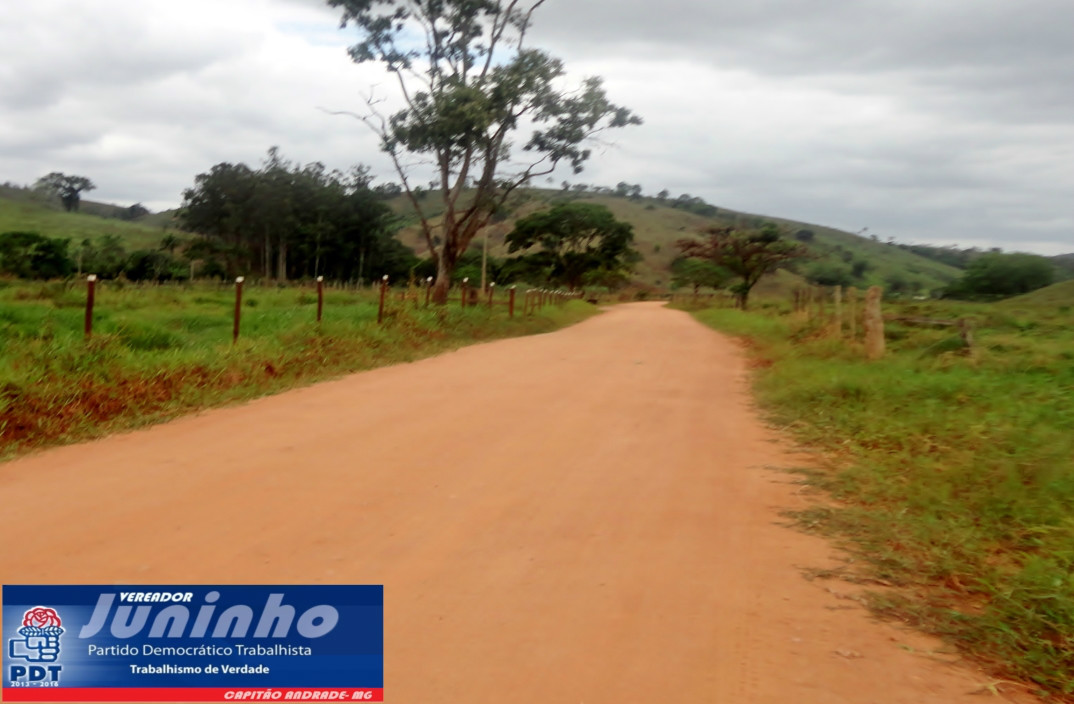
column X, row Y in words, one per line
column 952, row 471
column 31, row 216
column 159, row 351
column 1057, row 295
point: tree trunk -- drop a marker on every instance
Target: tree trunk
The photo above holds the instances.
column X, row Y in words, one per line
column 268, row 255
column 443, row 281
column 281, row 262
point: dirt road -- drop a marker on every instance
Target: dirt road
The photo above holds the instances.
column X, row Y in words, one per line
column 583, row 517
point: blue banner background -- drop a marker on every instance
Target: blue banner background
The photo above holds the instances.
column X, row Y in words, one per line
column 351, row 655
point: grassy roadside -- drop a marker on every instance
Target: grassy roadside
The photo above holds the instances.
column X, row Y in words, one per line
column 158, row 352
column 952, row 473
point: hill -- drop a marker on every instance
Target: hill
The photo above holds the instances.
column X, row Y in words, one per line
column 836, row 256
column 34, row 216
column 658, row 225
column 1064, row 266
column 1056, row 295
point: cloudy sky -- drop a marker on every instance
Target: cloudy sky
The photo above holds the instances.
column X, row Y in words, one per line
column 934, row 121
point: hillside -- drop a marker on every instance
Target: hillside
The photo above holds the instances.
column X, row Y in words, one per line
column 34, row 216
column 1064, row 266
column 658, row 226
column 1060, row 294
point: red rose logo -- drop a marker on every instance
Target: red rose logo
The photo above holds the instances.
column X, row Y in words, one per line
column 40, row 616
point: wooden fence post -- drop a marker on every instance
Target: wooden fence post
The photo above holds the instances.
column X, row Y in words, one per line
column 852, row 300
column 91, row 287
column 837, row 327
column 428, row 290
column 383, row 293
column 320, row 297
column 511, row 303
column 238, row 309
column 492, row 291
column 874, row 324
column 965, row 330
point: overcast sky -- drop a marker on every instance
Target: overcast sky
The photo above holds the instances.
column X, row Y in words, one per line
column 933, row 121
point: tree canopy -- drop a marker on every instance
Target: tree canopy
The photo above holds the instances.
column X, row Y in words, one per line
column 999, row 274
column 748, row 254
column 469, row 84
column 68, row 189
column 29, row 255
column 697, row 273
column 292, row 221
column 578, row 243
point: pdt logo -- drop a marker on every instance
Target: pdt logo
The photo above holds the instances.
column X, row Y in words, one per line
column 40, row 643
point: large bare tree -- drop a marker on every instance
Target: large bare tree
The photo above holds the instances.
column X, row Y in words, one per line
column 469, row 86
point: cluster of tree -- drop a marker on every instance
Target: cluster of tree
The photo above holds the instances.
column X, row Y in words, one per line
column 29, row 255
column 691, row 204
column 747, row 254
column 288, row 221
column 633, row 191
column 996, row 274
column 573, row 245
column 952, row 256
column 68, row 189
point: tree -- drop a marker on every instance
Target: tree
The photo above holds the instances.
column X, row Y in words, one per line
column 829, row 273
column 577, row 241
column 697, row 273
column 998, row 274
column 748, row 254
column 469, row 84
column 67, row 188
column 28, row 255
column 135, row 212
column 289, row 221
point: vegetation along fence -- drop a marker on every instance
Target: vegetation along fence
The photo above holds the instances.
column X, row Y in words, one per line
column 415, row 295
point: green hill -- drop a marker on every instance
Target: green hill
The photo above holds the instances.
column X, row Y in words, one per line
column 33, row 216
column 658, row 226
column 1060, row 294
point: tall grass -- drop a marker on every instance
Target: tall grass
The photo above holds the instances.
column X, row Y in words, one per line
column 952, row 470
column 158, row 351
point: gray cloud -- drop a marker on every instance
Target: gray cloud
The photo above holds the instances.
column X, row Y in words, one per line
column 928, row 120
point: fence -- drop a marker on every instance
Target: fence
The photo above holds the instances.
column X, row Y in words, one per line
column 469, row 296
column 845, row 318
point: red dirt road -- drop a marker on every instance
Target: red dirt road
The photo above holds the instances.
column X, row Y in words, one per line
column 584, row 517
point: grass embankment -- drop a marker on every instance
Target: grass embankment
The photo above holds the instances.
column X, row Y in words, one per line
column 158, row 351
column 953, row 472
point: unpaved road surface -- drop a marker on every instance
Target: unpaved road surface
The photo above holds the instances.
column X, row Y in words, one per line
column 586, row 517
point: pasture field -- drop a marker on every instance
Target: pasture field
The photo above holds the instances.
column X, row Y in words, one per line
column 950, row 471
column 159, row 351
column 30, row 216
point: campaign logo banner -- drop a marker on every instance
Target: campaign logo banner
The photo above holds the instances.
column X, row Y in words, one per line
column 192, row 643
